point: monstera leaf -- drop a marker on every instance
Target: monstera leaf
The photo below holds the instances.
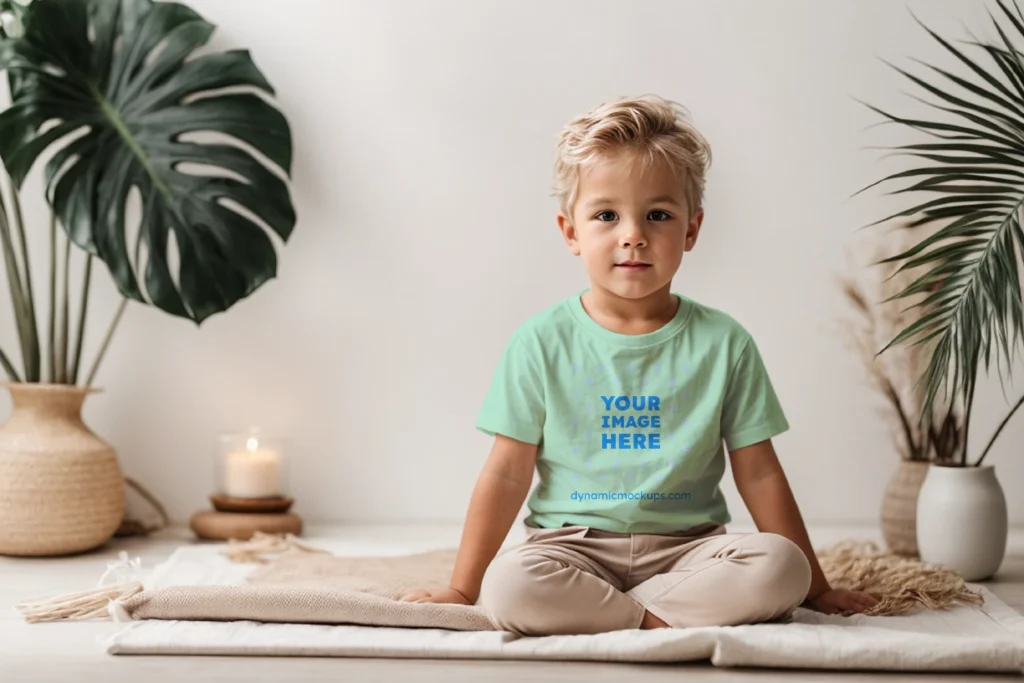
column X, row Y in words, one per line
column 114, row 88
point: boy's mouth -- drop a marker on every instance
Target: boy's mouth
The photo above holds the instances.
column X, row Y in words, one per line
column 633, row 265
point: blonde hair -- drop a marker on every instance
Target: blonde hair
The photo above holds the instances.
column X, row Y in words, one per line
column 647, row 125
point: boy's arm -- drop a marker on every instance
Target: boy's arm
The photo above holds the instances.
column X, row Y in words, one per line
column 765, row 490
column 500, row 490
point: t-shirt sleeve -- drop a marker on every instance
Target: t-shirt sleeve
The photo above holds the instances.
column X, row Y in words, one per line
column 752, row 412
column 514, row 404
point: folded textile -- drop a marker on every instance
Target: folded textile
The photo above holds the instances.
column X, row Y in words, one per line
column 297, row 583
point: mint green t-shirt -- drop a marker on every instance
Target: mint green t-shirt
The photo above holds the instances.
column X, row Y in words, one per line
column 631, row 429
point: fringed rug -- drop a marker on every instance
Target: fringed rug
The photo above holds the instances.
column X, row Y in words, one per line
column 280, row 596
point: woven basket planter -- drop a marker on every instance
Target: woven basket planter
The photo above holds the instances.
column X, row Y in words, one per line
column 899, row 507
column 61, row 487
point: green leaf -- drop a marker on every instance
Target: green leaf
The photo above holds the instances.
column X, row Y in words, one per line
column 925, row 322
column 956, row 252
column 994, row 91
column 970, row 272
column 124, row 72
column 945, row 185
column 972, row 111
column 934, row 128
column 982, row 152
column 1009, row 15
column 946, row 207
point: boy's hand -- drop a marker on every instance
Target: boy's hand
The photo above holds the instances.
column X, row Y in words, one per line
column 446, row 595
column 842, row 600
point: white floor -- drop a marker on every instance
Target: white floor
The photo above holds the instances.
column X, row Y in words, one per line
column 68, row 650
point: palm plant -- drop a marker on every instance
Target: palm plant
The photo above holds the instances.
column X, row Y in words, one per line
column 969, row 265
column 112, row 89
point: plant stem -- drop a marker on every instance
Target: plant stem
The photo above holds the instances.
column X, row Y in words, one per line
column 65, row 325
column 19, row 223
column 53, row 298
column 33, row 331
column 12, row 374
column 106, row 341
column 62, row 336
column 912, row 446
column 969, row 401
column 17, row 293
column 81, row 319
column 1001, row 425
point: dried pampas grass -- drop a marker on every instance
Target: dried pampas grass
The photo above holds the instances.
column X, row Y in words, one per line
column 869, row 287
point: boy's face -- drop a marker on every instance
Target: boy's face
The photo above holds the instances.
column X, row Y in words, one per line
column 622, row 217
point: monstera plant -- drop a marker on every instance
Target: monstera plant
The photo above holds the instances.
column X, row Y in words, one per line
column 113, row 94
column 166, row 163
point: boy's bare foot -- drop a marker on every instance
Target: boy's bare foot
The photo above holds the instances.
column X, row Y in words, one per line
column 651, row 621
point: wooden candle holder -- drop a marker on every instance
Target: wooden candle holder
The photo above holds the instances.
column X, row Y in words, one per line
column 224, row 503
column 241, row 518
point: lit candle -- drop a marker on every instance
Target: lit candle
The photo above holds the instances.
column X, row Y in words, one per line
column 252, row 473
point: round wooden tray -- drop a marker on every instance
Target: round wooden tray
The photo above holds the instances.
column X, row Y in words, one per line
column 223, row 526
column 224, row 503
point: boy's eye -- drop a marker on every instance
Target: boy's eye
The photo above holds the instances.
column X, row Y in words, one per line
column 656, row 215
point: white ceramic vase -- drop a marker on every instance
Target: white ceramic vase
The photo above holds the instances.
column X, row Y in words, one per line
column 962, row 520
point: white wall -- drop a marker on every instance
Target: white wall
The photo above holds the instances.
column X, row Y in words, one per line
column 424, row 133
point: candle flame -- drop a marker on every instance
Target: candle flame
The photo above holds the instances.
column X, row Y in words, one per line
column 252, row 444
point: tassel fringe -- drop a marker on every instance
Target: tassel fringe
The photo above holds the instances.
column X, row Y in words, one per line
column 104, row 602
column 263, row 547
column 903, row 584
column 92, row 604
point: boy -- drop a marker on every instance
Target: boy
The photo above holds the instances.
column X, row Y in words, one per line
column 622, row 397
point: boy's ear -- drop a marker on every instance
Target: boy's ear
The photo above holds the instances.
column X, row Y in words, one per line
column 693, row 229
column 568, row 231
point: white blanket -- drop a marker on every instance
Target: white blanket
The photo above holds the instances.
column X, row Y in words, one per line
column 985, row 638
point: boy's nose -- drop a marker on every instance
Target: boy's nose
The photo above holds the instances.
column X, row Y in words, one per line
column 631, row 234
column 632, row 238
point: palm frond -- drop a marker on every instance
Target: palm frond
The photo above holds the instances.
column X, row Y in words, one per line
column 975, row 184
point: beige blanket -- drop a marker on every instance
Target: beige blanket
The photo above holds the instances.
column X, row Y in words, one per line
column 303, row 585
column 317, row 588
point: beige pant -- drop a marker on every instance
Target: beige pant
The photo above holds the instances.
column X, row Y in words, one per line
column 577, row 580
